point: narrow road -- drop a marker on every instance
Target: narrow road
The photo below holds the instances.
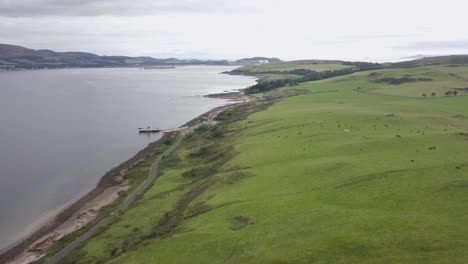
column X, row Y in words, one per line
column 141, row 189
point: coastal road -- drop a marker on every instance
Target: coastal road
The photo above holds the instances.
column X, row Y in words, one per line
column 141, row 189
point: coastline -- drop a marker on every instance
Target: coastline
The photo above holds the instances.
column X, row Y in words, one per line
column 116, row 67
column 108, row 180
column 32, row 247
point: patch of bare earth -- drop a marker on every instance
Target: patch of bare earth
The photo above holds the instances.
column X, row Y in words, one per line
column 86, row 214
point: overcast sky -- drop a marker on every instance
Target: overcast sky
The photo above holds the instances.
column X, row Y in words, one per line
column 372, row 30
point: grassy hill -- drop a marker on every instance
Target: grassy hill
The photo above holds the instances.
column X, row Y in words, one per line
column 296, row 69
column 433, row 81
column 353, row 169
column 292, row 65
column 289, row 70
column 438, row 60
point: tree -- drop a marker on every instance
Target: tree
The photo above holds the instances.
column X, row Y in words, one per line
column 455, row 93
column 448, row 93
column 424, row 95
column 433, row 94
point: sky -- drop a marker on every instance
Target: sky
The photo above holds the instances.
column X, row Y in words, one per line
column 366, row 30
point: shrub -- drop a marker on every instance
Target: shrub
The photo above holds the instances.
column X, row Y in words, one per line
column 115, row 251
column 202, row 152
column 199, row 172
column 171, row 160
column 202, row 128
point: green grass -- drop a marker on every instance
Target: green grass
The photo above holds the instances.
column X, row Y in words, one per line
column 444, row 78
column 289, row 66
column 134, row 176
column 348, row 173
column 272, row 77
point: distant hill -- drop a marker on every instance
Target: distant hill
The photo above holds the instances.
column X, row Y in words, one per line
column 12, row 51
column 306, row 62
column 17, row 57
column 257, row 60
column 427, row 61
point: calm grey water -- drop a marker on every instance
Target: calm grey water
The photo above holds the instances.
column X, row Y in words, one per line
column 61, row 130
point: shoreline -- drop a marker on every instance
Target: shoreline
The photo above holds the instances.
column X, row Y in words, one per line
column 108, row 180
column 32, row 246
column 109, row 67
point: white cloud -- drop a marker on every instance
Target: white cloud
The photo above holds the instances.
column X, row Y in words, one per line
column 360, row 29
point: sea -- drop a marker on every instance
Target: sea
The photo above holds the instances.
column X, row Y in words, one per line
column 61, row 130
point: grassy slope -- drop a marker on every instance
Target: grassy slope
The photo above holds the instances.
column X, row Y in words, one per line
column 289, row 66
column 264, row 71
column 298, row 188
column 272, row 77
column 444, row 78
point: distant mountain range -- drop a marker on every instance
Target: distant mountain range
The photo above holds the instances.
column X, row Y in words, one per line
column 416, row 61
column 17, row 57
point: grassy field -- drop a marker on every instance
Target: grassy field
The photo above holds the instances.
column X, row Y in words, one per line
column 432, row 81
column 282, row 70
column 272, row 77
column 289, row 66
column 357, row 170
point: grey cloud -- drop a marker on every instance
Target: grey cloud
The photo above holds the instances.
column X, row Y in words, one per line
column 380, row 36
column 26, row 8
column 436, row 45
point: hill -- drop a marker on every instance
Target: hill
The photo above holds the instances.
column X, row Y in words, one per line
column 353, row 169
column 290, row 66
column 276, row 75
column 291, row 70
column 427, row 61
column 303, row 67
column 17, row 57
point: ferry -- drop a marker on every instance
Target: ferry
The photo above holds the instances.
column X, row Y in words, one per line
column 149, row 130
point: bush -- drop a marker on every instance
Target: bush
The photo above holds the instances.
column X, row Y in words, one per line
column 202, row 152
column 171, row 160
column 115, row 251
column 199, row 172
column 122, row 194
column 202, row 128
column 217, row 133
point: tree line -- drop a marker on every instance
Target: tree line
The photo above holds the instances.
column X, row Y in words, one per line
column 307, row 76
column 310, row 75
